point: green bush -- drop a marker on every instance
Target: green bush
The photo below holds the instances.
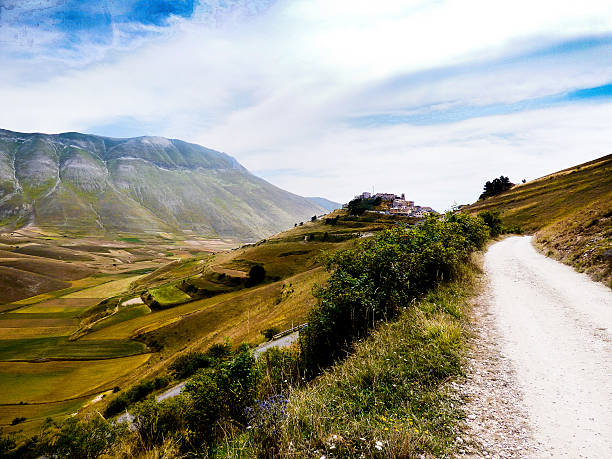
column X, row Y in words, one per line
column 7, row 444
column 373, row 280
column 221, row 395
column 257, row 275
column 280, row 369
column 86, row 438
column 187, row 364
column 493, row 221
column 158, row 421
column 135, row 394
column 270, row 332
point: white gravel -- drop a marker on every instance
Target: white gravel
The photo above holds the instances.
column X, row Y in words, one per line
column 554, row 328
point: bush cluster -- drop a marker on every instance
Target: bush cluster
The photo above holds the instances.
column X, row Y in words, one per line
column 496, row 186
column 358, row 206
column 135, row 394
column 231, row 391
column 373, row 280
column 493, row 220
column 186, row 365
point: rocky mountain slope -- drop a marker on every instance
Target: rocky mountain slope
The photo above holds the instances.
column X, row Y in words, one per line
column 86, row 184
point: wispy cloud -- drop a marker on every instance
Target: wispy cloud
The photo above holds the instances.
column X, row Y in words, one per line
column 325, row 97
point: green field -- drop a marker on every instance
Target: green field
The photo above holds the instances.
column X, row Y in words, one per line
column 61, row 380
column 60, row 348
column 71, row 307
column 124, row 314
column 169, row 295
column 105, row 290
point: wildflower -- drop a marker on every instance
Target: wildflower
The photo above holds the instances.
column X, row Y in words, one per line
column 378, row 445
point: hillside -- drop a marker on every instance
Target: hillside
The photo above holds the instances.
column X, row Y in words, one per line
column 89, row 185
column 569, row 211
column 83, row 337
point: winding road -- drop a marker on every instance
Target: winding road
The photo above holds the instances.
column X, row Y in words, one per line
column 554, row 329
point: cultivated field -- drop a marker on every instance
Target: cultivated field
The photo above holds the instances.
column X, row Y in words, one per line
column 59, row 348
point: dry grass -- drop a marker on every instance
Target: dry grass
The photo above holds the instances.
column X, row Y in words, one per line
column 55, row 269
column 105, row 290
column 16, row 284
column 570, row 213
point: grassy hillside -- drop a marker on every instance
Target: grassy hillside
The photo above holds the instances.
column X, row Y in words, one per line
column 570, row 213
column 98, row 330
column 89, row 185
column 369, row 377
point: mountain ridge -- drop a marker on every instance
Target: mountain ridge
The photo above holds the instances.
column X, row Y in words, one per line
column 88, row 184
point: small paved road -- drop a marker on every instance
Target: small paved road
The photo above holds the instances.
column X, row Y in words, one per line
column 555, row 333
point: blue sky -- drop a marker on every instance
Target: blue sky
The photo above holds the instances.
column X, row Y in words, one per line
column 325, row 97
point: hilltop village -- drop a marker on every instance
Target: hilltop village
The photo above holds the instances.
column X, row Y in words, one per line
column 393, row 204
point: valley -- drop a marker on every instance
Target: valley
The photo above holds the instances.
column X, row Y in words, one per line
column 126, row 308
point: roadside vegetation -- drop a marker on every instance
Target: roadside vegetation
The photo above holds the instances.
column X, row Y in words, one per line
column 367, row 378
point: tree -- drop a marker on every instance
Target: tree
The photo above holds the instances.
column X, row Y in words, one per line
column 270, row 332
column 496, row 186
column 257, row 274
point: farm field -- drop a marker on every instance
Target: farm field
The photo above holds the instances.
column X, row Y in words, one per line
column 61, row 348
column 56, row 285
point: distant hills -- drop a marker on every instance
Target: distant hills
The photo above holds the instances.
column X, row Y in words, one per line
column 86, row 184
column 325, row 203
column 569, row 211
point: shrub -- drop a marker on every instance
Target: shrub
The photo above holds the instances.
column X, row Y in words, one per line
column 280, row 369
column 220, row 351
column 17, row 420
column 79, row 437
column 187, row 364
column 135, row 394
column 7, row 443
column 257, row 274
column 220, row 396
column 373, row 280
column 158, row 421
column 269, row 333
column 492, row 219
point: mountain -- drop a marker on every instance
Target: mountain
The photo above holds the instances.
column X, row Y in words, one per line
column 570, row 213
column 86, row 184
column 325, row 203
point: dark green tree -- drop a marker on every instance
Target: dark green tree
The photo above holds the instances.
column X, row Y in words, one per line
column 496, row 186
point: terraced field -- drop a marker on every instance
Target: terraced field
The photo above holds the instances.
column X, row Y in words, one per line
column 61, row 348
column 51, row 292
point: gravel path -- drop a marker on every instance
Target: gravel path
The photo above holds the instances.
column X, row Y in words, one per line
column 285, row 341
column 542, row 359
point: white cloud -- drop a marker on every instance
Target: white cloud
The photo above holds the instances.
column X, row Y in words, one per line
column 276, row 91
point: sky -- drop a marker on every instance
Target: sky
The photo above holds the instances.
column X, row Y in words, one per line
column 330, row 98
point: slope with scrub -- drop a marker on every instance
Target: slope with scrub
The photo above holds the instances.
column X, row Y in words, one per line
column 569, row 211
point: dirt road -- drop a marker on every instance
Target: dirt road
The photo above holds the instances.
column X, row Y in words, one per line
column 554, row 328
